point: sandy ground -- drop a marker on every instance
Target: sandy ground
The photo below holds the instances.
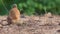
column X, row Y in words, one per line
column 32, row 25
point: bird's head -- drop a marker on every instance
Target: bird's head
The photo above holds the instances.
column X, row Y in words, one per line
column 14, row 6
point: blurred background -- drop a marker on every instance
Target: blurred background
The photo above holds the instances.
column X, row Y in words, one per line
column 31, row 7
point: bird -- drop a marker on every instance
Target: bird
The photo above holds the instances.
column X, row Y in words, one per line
column 14, row 15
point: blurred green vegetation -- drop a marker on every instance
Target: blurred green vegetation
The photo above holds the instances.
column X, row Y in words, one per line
column 31, row 7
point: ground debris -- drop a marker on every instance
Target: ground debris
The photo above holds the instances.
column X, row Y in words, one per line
column 32, row 25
